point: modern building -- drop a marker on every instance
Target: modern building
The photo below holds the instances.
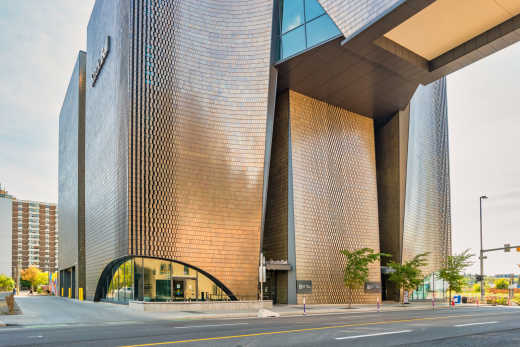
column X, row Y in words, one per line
column 28, row 234
column 71, row 182
column 215, row 131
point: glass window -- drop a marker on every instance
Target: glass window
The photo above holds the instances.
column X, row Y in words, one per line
column 146, row 279
column 293, row 42
column 320, row 29
column 120, row 278
column 299, row 33
column 292, row 14
column 312, row 10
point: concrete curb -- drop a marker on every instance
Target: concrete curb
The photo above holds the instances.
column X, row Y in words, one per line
column 238, row 315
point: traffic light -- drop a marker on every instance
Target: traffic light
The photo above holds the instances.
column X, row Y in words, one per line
column 507, row 247
column 479, row 278
column 518, row 249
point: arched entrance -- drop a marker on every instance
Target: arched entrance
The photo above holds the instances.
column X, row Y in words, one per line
column 152, row 279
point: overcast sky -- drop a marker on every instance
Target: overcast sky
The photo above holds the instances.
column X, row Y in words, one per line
column 40, row 41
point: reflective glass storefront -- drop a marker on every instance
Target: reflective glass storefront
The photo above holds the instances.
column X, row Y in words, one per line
column 151, row 279
column 303, row 24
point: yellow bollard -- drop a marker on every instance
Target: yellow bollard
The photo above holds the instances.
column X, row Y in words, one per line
column 80, row 294
column 62, row 291
column 70, row 293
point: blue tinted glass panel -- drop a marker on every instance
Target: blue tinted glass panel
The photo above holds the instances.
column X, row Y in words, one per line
column 292, row 14
column 312, row 10
column 320, row 29
column 293, row 42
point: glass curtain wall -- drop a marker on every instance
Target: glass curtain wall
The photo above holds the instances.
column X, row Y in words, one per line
column 148, row 279
column 303, row 24
column 431, row 284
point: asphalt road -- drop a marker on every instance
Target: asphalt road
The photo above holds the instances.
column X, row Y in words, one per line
column 486, row 326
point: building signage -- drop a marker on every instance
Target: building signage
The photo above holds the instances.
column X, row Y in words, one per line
column 101, row 61
column 372, row 287
column 304, row 287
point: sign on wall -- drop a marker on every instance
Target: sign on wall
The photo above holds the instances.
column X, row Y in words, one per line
column 372, row 287
column 304, row 287
column 101, row 61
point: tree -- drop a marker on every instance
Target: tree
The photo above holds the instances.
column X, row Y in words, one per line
column 356, row 268
column 408, row 276
column 452, row 269
column 502, row 283
column 34, row 276
column 6, row 283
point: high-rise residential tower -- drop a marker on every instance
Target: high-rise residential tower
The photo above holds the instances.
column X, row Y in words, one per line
column 28, row 235
column 215, row 131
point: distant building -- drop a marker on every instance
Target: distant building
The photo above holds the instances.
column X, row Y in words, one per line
column 28, row 235
column 6, row 215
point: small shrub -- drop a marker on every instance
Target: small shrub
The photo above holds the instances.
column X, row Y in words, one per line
column 502, row 301
column 502, row 283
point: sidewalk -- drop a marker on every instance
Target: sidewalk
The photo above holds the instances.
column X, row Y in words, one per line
column 49, row 311
column 57, row 311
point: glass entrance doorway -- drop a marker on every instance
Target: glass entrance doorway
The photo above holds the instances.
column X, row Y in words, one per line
column 177, row 289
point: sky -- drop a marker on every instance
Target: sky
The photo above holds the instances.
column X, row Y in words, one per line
column 40, row 41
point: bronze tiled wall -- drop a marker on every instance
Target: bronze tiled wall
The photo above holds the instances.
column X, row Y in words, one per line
column 199, row 74
column 334, row 201
column 335, row 194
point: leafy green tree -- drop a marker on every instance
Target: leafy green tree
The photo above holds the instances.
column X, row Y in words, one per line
column 24, row 284
column 476, row 287
column 43, row 279
column 6, row 283
column 408, row 276
column 356, row 268
column 452, row 269
column 502, row 283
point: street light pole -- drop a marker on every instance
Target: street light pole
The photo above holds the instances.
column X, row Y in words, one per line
column 482, row 288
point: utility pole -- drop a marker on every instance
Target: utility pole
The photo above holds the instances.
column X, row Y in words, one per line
column 482, row 287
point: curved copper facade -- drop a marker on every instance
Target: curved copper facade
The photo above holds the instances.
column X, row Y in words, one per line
column 200, row 74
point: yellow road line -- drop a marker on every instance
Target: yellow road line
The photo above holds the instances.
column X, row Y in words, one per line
column 298, row 330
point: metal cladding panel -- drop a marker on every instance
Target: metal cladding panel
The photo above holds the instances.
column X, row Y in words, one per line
column 353, row 16
column 335, row 195
column 71, row 119
column 106, row 139
column 427, row 220
column 389, row 187
column 199, row 84
column 275, row 244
